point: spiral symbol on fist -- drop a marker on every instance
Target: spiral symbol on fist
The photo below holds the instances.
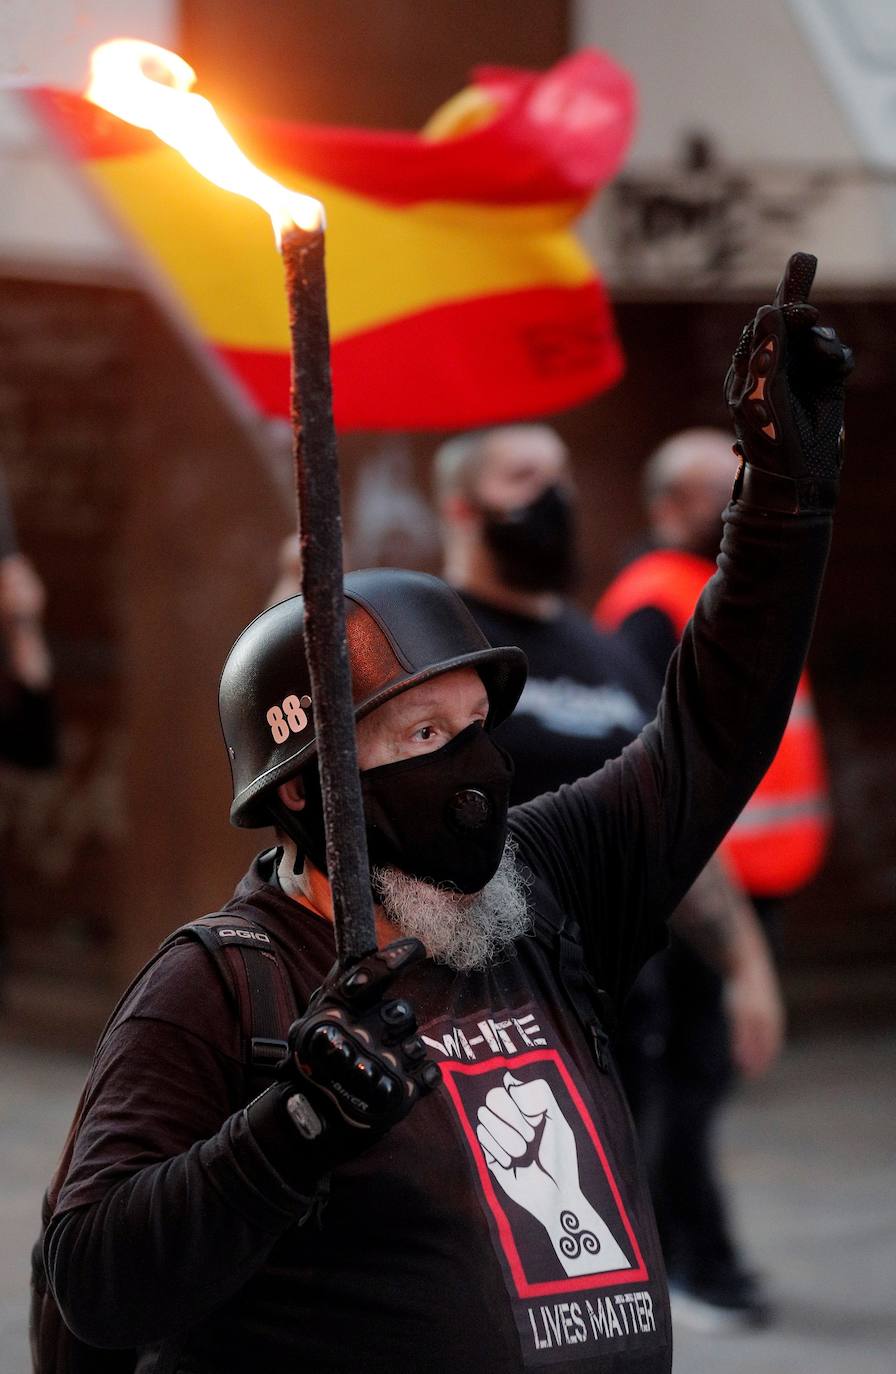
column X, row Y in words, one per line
column 574, row 1240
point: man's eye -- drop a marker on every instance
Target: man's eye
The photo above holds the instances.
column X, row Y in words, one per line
column 425, row 733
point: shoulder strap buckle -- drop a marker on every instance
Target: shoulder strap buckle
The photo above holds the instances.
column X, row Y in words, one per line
column 266, row 1053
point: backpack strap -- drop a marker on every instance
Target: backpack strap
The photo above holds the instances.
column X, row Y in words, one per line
column 59, row 1174
column 592, row 1005
column 253, row 975
column 256, row 983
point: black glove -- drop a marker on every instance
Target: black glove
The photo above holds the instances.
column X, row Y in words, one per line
column 785, row 390
column 354, row 1059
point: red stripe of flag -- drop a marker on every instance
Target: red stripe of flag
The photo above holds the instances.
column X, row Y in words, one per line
column 497, row 357
column 557, row 136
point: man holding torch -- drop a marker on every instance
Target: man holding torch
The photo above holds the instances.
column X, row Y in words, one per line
column 359, row 1214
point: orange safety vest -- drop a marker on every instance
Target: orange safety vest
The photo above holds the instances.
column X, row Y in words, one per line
column 778, row 842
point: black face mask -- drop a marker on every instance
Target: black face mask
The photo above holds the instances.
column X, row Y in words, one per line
column 441, row 817
column 534, row 546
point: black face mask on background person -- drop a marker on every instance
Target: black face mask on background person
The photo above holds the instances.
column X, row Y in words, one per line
column 440, row 817
column 534, row 546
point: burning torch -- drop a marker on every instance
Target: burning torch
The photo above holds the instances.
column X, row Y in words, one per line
column 150, row 87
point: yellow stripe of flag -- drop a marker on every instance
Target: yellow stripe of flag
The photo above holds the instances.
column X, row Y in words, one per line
column 384, row 261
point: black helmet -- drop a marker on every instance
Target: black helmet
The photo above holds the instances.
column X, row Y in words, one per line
column 402, row 629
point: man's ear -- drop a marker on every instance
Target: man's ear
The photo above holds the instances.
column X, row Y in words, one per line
column 292, row 793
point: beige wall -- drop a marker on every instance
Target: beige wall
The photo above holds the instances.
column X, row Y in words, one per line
column 49, row 223
column 745, row 70
column 50, row 40
column 747, row 75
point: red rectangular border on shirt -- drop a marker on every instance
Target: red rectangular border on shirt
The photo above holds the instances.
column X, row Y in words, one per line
column 524, row 1288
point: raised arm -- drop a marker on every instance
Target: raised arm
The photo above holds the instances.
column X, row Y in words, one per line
column 622, row 847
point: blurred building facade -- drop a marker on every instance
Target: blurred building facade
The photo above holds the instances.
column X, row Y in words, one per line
column 153, row 502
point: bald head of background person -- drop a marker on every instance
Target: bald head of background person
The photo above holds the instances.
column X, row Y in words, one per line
column 506, row 505
column 687, row 484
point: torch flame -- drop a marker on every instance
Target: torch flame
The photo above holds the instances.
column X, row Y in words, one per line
column 150, row 87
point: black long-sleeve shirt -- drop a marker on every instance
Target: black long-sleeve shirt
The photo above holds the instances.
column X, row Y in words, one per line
column 177, row 1229
column 586, row 696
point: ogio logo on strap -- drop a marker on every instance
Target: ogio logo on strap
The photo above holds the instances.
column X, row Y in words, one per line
column 232, row 933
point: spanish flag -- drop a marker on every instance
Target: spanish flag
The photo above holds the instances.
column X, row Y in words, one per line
column 458, row 293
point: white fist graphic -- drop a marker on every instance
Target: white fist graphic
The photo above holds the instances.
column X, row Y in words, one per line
column 530, row 1149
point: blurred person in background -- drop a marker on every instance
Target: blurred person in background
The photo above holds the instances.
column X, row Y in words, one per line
column 507, row 504
column 27, row 715
column 676, row 1052
column 390, row 521
column 27, row 720
column 288, row 581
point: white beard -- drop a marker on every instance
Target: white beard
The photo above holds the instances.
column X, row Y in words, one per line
column 463, row 930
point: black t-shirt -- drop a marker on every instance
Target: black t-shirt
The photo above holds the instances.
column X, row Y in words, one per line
column 585, row 698
column 175, row 1224
column 429, row 1254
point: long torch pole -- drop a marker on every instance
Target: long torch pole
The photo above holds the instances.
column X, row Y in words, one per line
column 320, row 540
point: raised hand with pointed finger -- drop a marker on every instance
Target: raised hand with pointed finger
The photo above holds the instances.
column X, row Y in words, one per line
column 785, row 389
